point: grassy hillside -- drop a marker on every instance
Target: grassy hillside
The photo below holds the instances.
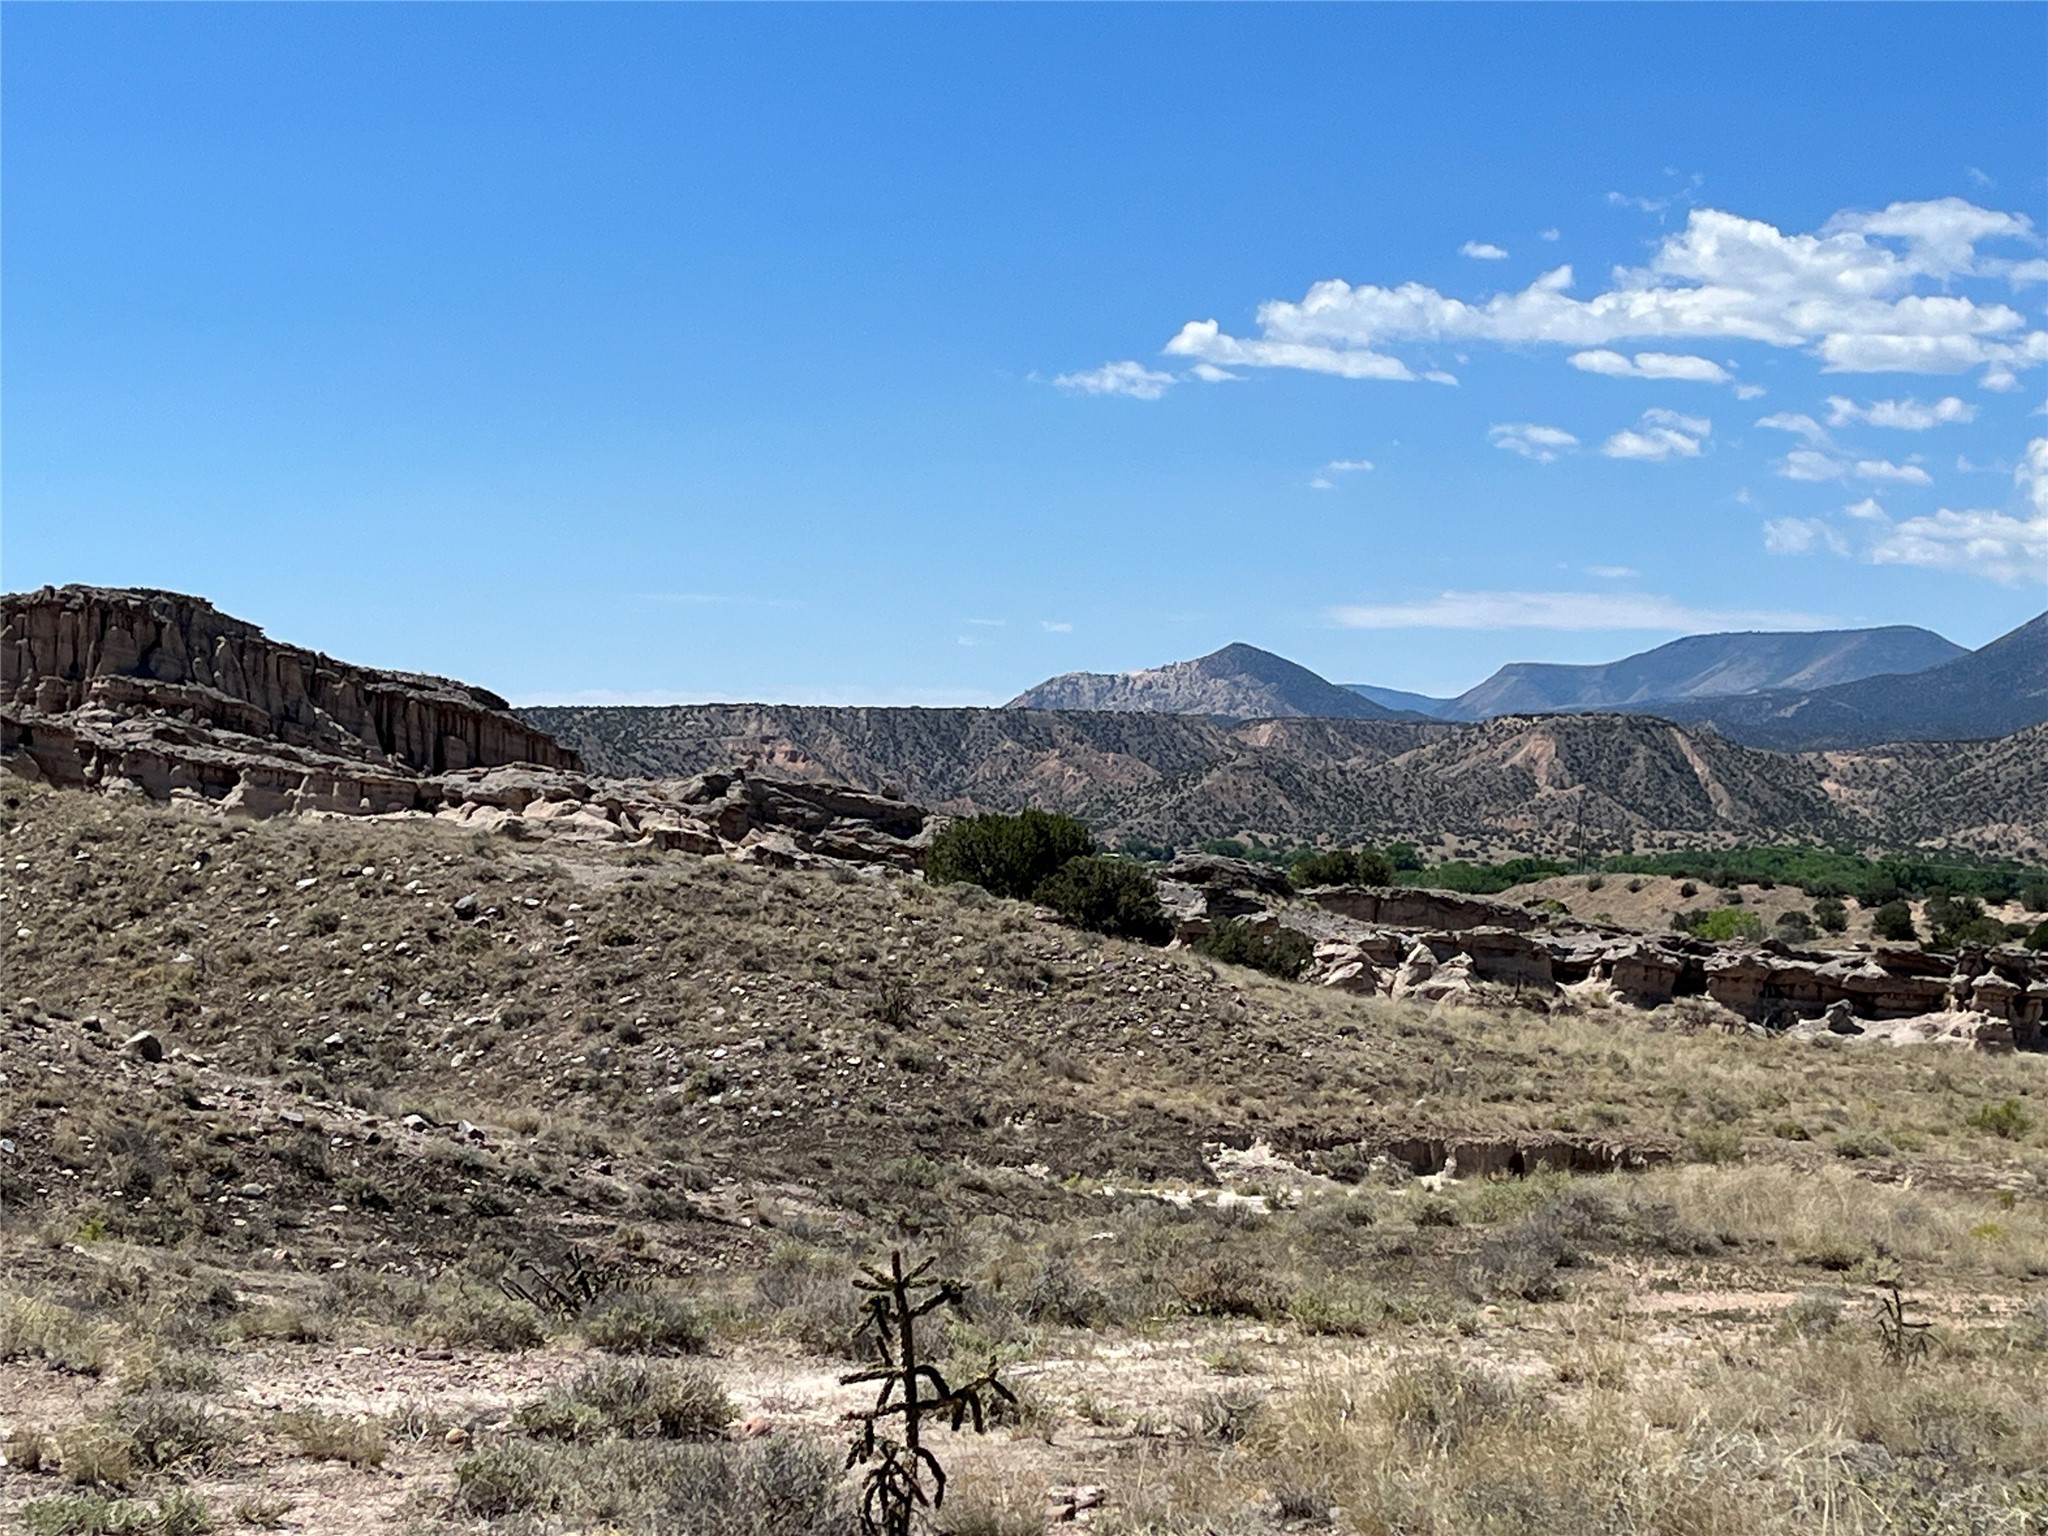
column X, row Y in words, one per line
column 242, row 1285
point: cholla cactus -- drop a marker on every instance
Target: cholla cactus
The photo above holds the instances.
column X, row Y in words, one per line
column 893, row 1492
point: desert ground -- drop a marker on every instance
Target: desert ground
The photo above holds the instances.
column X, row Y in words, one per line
column 377, row 1176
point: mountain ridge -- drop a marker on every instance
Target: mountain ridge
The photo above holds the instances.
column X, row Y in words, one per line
column 1983, row 694
column 1237, row 682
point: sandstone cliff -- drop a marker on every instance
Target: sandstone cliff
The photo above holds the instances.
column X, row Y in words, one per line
column 161, row 695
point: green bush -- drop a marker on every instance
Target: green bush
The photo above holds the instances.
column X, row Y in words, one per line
column 1832, row 916
column 1112, row 896
column 2034, row 896
column 1342, row 866
column 1009, row 855
column 2008, row 1120
column 2038, row 939
column 1720, row 924
column 1893, row 920
column 1277, row 951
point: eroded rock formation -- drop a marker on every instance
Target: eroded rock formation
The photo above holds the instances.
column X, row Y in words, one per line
column 164, row 696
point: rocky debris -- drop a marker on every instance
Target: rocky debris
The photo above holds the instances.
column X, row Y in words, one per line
column 1770, row 983
column 162, row 696
column 1469, row 1157
column 144, row 1045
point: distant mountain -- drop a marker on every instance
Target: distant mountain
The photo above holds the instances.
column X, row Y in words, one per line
column 1703, row 667
column 1239, row 682
column 1397, row 699
column 1995, row 691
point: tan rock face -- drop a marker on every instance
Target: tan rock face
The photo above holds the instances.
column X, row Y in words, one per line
column 65, row 650
column 164, row 696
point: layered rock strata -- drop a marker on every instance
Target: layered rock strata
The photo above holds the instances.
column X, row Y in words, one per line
column 163, row 696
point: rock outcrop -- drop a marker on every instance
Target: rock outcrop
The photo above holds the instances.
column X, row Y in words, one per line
column 89, row 657
column 1440, row 946
column 164, row 696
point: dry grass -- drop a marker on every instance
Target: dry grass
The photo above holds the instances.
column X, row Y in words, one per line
column 700, row 1133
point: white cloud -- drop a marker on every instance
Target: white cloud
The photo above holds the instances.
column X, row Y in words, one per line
column 1659, row 436
column 1905, row 415
column 1056, row 626
column 1564, row 610
column 1750, row 391
column 1793, row 421
column 1812, row 465
column 1481, row 250
column 1868, row 292
column 1209, row 373
column 989, row 623
column 1438, row 376
column 1531, row 440
column 1650, row 365
column 1799, row 536
column 1550, row 234
column 1977, row 177
column 1347, row 466
column 1322, row 483
column 1127, row 378
column 1612, row 572
column 1885, row 469
column 2008, row 548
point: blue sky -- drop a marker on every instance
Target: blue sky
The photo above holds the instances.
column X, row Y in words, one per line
column 910, row 355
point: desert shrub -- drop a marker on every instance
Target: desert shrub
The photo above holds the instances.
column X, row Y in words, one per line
column 1057, row 1292
column 177, row 1513
column 167, row 1433
column 1275, row 950
column 1229, row 1287
column 1688, row 889
column 804, row 1295
column 1831, row 914
column 1857, row 1145
column 1009, row 855
column 169, row 1371
column 1435, row 1404
column 644, row 1323
column 2038, row 939
column 1225, row 1418
column 467, row 1317
column 631, row 1402
column 778, row 1488
column 36, row 1328
column 1111, row 896
column 1342, row 866
column 334, row 1437
column 1893, row 920
column 2008, row 1119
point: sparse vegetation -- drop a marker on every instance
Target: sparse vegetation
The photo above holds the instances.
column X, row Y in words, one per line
column 1108, row 896
column 1277, row 951
column 1182, row 1192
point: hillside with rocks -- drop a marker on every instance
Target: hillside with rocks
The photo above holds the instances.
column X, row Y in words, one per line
column 1531, row 785
column 1239, row 682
